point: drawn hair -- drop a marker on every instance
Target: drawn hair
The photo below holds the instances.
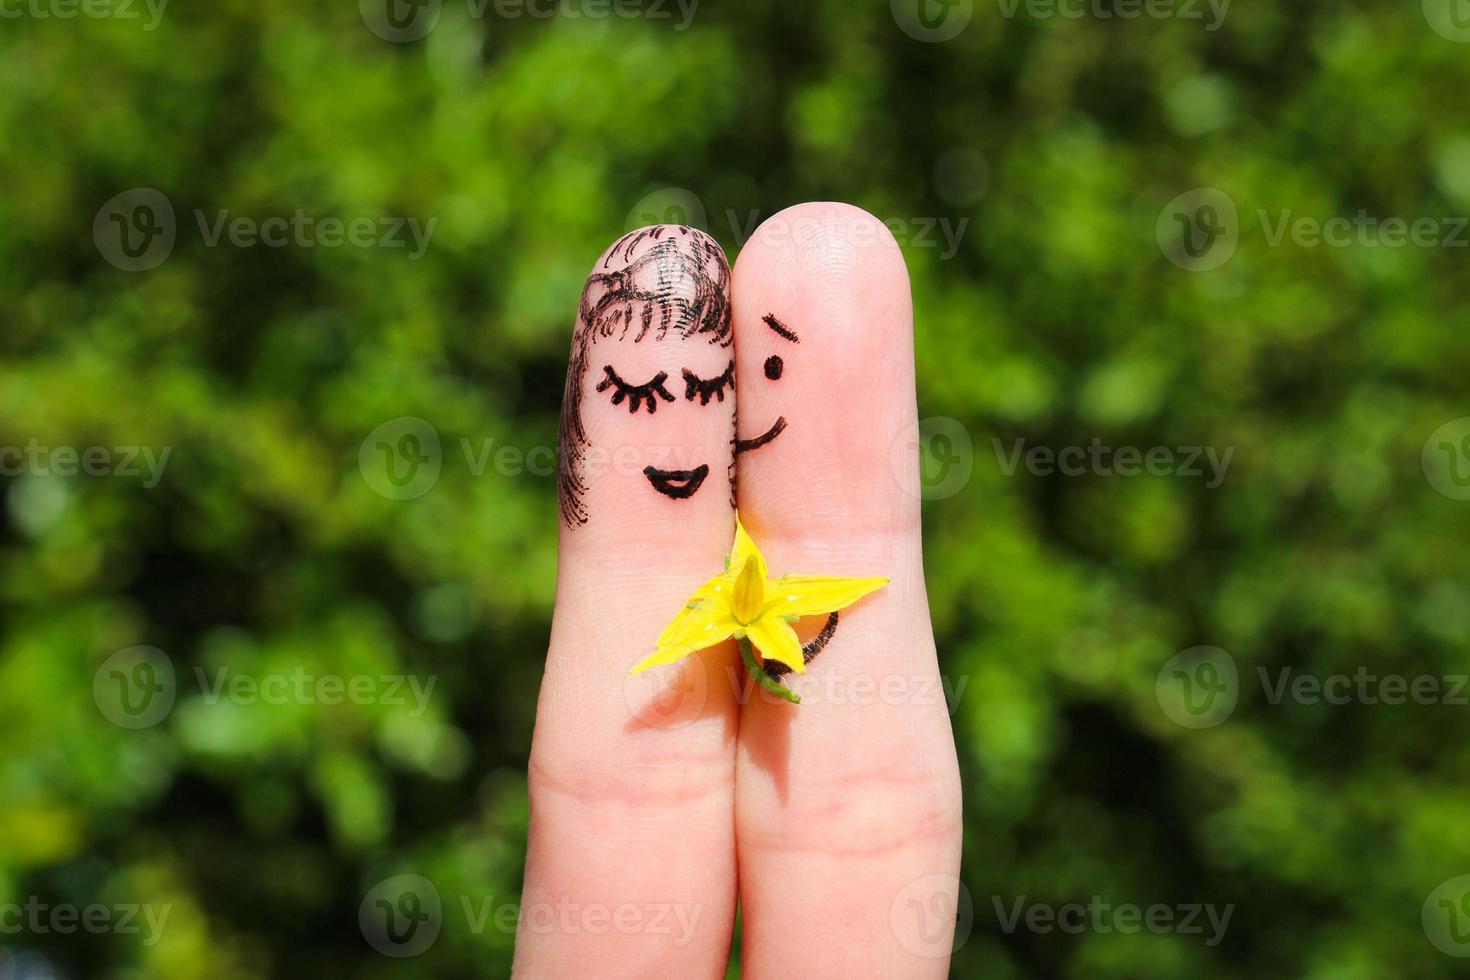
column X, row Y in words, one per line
column 680, row 283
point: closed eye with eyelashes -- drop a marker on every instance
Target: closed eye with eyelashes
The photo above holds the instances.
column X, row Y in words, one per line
column 636, row 395
column 713, row 388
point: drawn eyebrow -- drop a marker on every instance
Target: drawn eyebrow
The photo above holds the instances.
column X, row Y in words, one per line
column 781, row 328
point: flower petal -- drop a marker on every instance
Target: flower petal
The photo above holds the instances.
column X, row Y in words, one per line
column 701, row 626
column 749, row 596
column 815, row 595
column 776, row 640
column 745, row 548
column 661, row 656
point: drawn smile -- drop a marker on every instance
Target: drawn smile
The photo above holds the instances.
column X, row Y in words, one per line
column 746, row 445
column 678, row 484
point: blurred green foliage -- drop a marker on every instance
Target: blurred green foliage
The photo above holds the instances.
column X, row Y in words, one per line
column 1057, row 319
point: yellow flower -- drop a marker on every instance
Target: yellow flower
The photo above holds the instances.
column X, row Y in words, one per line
column 748, row 605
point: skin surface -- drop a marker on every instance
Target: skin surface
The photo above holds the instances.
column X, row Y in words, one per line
column 837, row 820
column 632, row 783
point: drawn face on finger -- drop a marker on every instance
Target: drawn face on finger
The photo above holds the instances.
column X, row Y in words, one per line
column 651, row 373
column 774, row 369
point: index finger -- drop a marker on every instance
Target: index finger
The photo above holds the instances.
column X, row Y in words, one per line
column 847, row 805
column 630, row 867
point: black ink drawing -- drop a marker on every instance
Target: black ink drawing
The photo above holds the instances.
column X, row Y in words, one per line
column 677, row 285
column 636, row 393
column 746, row 445
column 679, row 484
column 781, row 328
column 713, row 388
column 776, row 668
column 774, row 367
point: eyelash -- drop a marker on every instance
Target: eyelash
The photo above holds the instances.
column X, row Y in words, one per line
column 713, row 388
column 636, row 393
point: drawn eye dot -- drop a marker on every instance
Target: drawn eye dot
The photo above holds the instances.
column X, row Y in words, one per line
column 773, row 367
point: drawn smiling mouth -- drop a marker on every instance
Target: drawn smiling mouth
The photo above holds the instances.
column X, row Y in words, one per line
column 678, row 484
column 746, row 445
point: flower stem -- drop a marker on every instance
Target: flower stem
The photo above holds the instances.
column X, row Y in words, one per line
column 765, row 680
